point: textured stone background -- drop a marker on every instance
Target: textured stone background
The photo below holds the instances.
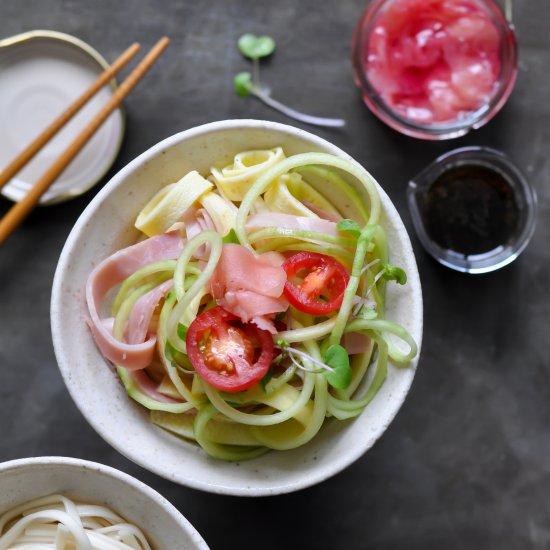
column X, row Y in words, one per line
column 466, row 462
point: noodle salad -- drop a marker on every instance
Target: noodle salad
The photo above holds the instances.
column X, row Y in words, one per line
column 252, row 309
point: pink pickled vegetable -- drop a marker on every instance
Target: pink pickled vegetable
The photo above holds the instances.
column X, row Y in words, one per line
column 434, row 61
column 250, row 286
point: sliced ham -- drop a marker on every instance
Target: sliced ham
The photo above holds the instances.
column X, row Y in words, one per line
column 140, row 316
column 320, row 212
column 113, row 271
column 196, row 221
column 149, row 388
column 356, row 342
column 250, row 286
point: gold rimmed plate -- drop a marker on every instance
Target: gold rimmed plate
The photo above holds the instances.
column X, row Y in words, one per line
column 41, row 74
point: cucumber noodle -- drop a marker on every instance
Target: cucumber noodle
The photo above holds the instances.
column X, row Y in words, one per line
column 289, row 406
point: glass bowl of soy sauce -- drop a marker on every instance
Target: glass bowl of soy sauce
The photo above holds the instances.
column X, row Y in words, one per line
column 473, row 209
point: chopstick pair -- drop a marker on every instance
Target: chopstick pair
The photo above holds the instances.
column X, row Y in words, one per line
column 20, row 210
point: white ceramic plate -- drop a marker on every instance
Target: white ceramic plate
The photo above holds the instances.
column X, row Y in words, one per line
column 107, row 225
column 30, row 478
column 41, row 74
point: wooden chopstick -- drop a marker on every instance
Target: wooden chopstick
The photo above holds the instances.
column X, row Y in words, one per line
column 28, row 153
column 20, row 210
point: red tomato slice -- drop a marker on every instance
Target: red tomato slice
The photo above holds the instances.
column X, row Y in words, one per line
column 228, row 354
column 315, row 283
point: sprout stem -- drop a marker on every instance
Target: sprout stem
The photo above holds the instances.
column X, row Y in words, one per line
column 305, row 356
column 256, row 72
column 292, row 113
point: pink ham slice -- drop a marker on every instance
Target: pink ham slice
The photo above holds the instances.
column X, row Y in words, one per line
column 196, row 221
column 149, row 388
column 114, row 270
column 321, row 213
column 140, row 316
column 356, row 342
column 250, row 286
column 140, row 377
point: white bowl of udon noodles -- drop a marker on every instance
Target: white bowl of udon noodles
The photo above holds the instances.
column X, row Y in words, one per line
column 61, row 502
column 329, row 428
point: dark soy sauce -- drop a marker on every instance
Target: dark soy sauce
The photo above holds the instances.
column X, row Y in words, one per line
column 470, row 209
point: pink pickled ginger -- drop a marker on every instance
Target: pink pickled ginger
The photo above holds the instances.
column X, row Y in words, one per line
column 250, row 286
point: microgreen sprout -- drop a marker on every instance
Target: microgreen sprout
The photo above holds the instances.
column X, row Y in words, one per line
column 255, row 48
column 367, row 291
column 394, row 273
column 336, row 365
column 389, row 273
column 337, row 357
column 293, row 353
column 361, row 304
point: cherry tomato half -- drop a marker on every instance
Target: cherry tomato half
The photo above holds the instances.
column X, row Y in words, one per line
column 315, row 283
column 228, row 354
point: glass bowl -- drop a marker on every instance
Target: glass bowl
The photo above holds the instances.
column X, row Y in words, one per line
column 485, row 161
column 464, row 121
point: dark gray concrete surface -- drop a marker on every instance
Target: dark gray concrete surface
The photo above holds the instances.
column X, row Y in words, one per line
column 466, row 462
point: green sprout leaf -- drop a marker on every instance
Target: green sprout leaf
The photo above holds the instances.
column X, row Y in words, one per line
column 394, row 273
column 337, row 358
column 246, row 84
column 243, row 84
column 231, row 237
column 255, row 47
column 349, row 226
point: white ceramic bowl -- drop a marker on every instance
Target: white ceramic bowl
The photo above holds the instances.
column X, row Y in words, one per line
column 107, row 225
column 25, row 479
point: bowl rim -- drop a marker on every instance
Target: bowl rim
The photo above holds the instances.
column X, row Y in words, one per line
column 320, row 474
column 95, row 468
